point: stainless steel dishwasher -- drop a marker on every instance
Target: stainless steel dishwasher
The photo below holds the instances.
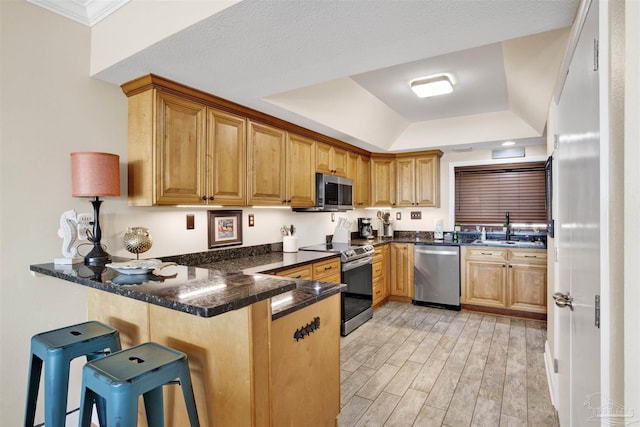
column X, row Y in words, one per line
column 437, row 276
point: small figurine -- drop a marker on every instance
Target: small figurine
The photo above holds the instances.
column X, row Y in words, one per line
column 68, row 231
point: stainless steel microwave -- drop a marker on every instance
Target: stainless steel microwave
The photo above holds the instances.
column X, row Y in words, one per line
column 333, row 193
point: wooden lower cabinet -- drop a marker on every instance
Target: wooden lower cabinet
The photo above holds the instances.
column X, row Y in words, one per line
column 380, row 275
column 401, row 271
column 324, row 271
column 246, row 369
column 305, row 272
column 300, row 399
column 508, row 280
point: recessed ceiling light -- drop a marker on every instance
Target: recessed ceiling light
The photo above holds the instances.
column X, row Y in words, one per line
column 508, row 143
column 435, row 85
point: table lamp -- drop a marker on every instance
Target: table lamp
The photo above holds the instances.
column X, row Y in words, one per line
column 94, row 175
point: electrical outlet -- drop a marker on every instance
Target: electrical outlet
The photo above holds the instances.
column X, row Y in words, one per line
column 398, row 216
column 85, row 225
column 191, row 222
column 416, row 215
column 251, row 220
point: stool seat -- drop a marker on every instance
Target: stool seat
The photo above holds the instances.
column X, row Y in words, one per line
column 56, row 349
column 123, row 376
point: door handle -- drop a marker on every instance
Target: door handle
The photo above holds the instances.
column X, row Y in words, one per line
column 563, row 300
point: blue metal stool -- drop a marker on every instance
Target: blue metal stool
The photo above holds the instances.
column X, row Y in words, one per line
column 141, row 370
column 56, row 349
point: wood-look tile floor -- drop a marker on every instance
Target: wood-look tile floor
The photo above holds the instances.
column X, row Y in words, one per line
column 420, row 366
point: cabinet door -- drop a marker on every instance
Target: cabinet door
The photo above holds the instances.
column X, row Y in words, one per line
column 226, row 159
column 300, row 399
column 266, row 163
column 402, row 270
column 180, row 151
column 386, row 269
column 331, row 160
column 383, row 182
column 323, row 158
column 301, row 180
column 339, row 161
column 406, row 181
column 485, row 283
column 528, row 287
column 363, row 187
column 427, row 181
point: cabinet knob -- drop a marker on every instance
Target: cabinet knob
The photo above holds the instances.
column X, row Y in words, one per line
column 204, row 198
column 212, row 198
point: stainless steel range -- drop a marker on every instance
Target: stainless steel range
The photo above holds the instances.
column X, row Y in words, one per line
column 357, row 300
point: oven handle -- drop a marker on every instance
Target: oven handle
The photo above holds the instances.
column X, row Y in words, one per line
column 356, row 263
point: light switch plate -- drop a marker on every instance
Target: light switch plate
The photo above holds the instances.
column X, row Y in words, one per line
column 398, row 216
column 416, row 215
column 191, row 222
column 251, row 220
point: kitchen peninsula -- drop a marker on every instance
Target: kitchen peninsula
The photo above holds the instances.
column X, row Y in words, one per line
column 263, row 350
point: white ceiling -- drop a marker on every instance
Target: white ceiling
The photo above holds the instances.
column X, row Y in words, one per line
column 341, row 67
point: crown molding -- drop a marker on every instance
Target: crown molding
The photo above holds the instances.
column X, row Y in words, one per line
column 86, row 12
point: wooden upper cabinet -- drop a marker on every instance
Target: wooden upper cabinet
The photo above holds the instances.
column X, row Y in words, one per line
column 363, row 194
column 418, row 180
column 166, row 152
column 406, row 181
column 180, row 161
column 300, row 178
column 195, row 156
column 331, row 160
column 266, row 148
column 226, row 157
column 359, row 169
column 383, row 181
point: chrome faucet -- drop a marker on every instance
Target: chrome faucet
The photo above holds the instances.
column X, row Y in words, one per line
column 508, row 236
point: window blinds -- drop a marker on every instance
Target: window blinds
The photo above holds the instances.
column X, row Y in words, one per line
column 484, row 194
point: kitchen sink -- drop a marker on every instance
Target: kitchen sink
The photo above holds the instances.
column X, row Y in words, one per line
column 508, row 243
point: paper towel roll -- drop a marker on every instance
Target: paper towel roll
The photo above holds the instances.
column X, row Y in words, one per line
column 290, row 244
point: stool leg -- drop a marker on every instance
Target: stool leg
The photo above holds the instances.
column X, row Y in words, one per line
column 154, row 407
column 189, row 398
column 35, row 370
column 100, row 402
column 56, row 385
column 122, row 410
column 86, row 407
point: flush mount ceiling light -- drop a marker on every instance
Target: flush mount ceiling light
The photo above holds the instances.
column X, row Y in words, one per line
column 438, row 84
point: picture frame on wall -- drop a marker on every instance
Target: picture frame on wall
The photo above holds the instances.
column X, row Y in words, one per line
column 225, row 228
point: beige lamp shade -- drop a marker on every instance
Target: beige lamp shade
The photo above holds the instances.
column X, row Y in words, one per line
column 95, row 174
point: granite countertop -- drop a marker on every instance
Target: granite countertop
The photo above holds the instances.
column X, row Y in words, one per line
column 208, row 291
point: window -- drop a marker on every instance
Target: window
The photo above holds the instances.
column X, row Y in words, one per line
column 484, row 194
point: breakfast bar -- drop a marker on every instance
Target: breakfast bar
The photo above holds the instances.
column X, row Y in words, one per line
column 263, row 350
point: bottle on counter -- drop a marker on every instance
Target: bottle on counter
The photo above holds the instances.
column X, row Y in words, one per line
column 483, row 234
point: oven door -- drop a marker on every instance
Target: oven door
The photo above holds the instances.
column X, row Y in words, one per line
column 357, row 300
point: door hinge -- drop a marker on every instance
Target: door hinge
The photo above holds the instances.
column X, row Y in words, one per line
column 597, row 307
column 596, row 55
column 555, row 366
column 556, row 141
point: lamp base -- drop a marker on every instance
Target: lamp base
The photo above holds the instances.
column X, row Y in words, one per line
column 97, row 256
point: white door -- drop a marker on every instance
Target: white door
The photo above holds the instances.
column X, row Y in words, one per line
column 578, row 234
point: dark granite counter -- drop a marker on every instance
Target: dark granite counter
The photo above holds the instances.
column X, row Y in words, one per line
column 207, row 292
column 268, row 263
